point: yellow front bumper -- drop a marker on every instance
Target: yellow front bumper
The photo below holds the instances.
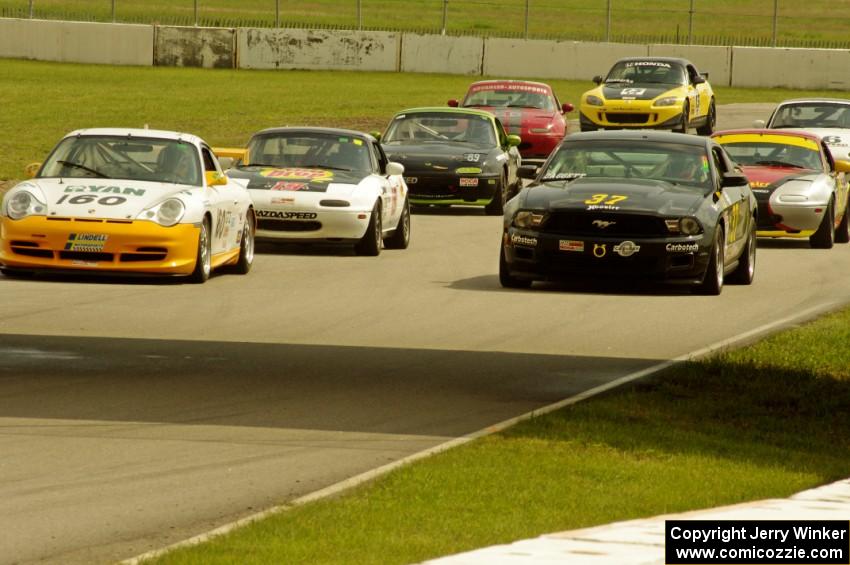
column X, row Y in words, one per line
column 614, row 114
column 127, row 246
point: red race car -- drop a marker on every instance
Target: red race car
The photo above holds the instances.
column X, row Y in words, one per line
column 527, row 109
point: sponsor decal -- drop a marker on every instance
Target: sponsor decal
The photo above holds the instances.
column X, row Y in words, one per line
column 832, row 140
column 314, row 175
column 648, row 64
column 626, row 248
column 411, row 180
column 682, row 247
column 91, row 198
column 468, row 181
column 602, row 224
column 287, row 185
column 632, row 92
column 86, row 242
column 282, row 200
column 759, row 184
column 564, row 176
column 286, row 215
column 517, row 239
column 571, row 245
column 605, row 201
column 509, row 86
column 599, row 250
column 104, row 189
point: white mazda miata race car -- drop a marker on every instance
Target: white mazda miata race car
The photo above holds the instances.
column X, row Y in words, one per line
column 324, row 185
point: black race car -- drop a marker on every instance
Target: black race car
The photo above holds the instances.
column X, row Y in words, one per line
column 657, row 205
column 454, row 156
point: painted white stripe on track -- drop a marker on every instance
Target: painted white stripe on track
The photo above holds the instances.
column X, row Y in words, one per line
column 738, row 340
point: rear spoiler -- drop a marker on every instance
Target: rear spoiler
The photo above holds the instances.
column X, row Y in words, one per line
column 231, row 155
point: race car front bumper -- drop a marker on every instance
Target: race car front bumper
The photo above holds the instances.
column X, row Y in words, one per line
column 789, row 220
column 123, row 246
column 341, row 224
column 543, row 256
column 451, row 188
column 632, row 118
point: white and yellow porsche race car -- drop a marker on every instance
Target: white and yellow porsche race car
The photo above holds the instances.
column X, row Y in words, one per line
column 128, row 201
column 651, row 93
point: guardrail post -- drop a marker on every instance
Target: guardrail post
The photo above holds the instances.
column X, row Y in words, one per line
column 277, row 13
column 608, row 23
column 526, row 18
column 196, row 12
column 113, row 11
column 690, row 22
column 31, row 2
column 775, row 19
column 445, row 15
column 359, row 15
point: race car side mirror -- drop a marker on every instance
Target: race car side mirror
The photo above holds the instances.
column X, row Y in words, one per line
column 759, row 124
column 567, row 108
column 842, row 166
column 214, row 178
column 394, row 168
column 698, row 80
column 31, row 170
column 514, row 140
column 734, row 179
column 597, row 79
column 704, row 75
column 376, row 135
column 453, row 103
column 527, row 172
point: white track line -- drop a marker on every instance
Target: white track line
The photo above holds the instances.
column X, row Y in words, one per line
column 357, row 480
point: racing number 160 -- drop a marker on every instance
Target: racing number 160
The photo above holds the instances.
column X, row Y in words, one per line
column 604, row 199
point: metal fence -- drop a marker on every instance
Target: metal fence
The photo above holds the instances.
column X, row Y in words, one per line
column 703, row 22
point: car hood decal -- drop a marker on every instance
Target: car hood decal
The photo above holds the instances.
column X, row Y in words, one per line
column 516, row 119
column 765, row 180
column 635, row 91
column 638, row 196
column 104, row 198
column 295, row 179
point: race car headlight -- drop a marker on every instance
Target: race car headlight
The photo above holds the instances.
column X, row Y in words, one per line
column 525, row 219
column 667, row 101
column 684, row 226
column 592, row 100
column 22, row 204
column 166, row 213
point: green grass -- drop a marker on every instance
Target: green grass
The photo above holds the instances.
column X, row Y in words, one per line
column 44, row 101
column 720, row 21
column 764, row 421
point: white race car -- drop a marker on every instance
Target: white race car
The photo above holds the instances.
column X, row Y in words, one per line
column 829, row 118
column 128, row 201
column 323, row 184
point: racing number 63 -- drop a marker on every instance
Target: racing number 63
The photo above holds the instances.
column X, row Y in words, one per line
column 601, row 199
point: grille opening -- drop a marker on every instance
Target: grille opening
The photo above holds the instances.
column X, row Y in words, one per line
column 523, row 253
column 50, row 219
column 685, row 260
column 151, row 250
column 85, row 256
column 23, row 244
column 288, row 225
column 119, row 221
column 30, row 252
column 140, row 257
column 616, row 118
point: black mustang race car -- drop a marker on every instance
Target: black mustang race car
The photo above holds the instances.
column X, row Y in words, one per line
column 656, row 205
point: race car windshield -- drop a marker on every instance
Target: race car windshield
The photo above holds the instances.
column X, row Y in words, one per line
column 685, row 165
column 763, row 153
column 125, row 158
column 646, row 72
column 511, row 98
column 309, row 150
column 812, row 116
column 441, row 128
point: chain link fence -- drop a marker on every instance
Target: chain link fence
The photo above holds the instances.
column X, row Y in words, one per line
column 783, row 23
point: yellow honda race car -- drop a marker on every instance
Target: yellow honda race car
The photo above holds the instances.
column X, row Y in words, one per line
column 127, row 201
column 651, row 93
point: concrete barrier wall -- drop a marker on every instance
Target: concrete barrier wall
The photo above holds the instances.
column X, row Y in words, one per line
column 593, row 59
column 791, row 68
column 317, row 49
column 77, row 42
column 441, row 54
column 717, row 61
column 211, row 48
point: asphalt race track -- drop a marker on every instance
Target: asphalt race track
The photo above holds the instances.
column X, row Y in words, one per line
column 136, row 413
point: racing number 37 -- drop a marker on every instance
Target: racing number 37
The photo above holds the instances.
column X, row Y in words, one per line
column 607, row 199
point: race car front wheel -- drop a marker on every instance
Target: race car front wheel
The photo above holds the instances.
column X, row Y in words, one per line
column 400, row 238
column 496, row 206
column 746, row 269
column 505, row 277
column 370, row 243
column 842, row 233
column 683, row 125
column 710, row 120
column 713, row 282
column 246, row 246
column 824, row 238
column 203, row 259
